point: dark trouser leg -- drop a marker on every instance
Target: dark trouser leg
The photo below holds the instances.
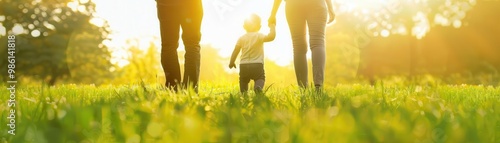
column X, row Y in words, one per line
column 244, row 78
column 316, row 21
column 244, row 85
column 169, row 29
column 297, row 23
column 191, row 26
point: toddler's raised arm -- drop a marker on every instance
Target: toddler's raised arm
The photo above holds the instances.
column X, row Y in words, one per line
column 272, row 33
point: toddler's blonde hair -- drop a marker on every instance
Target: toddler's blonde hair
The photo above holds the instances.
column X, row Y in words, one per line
column 252, row 23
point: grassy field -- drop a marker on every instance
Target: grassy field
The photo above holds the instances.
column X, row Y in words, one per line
column 341, row 113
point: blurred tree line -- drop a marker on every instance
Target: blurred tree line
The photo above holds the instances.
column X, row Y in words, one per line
column 442, row 38
column 55, row 42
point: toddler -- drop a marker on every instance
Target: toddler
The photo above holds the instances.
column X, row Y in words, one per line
column 251, row 46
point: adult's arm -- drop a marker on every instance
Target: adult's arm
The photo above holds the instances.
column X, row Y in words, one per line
column 276, row 6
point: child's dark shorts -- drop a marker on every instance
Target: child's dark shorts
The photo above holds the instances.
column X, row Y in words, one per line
column 254, row 71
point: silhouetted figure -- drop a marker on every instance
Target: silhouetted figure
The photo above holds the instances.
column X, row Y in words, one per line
column 251, row 46
column 311, row 15
column 174, row 15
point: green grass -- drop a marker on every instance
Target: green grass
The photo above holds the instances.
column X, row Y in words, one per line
column 341, row 113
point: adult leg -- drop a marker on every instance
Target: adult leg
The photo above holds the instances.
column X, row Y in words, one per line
column 169, row 29
column 316, row 21
column 295, row 16
column 191, row 26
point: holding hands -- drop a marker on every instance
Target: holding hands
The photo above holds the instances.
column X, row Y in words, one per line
column 272, row 21
column 271, row 26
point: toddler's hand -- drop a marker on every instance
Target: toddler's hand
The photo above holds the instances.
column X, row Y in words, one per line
column 232, row 65
column 271, row 21
column 271, row 25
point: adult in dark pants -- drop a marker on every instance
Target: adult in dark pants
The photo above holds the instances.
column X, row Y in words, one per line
column 174, row 15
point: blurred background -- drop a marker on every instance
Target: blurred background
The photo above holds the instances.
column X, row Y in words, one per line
column 117, row 42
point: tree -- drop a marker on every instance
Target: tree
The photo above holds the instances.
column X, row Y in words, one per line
column 143, row 65
column 46, row 29
column 412, row 18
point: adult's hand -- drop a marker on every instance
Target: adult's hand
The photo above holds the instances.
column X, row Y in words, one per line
column 331, row 16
